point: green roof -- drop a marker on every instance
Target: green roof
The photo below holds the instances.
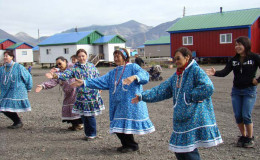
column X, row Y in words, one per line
column 161, row 41
column 227, row 19
column 14, row 46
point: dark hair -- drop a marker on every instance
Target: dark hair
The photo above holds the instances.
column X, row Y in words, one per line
column 127, row 58
column 73, row 56
column 185, row 52
column 9, row 53
column 245, row 41
column 81, row 50
column 62, row 58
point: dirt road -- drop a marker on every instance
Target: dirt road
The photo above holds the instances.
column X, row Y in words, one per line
column 44, row 136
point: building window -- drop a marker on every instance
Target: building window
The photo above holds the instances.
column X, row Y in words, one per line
column 187, row 40
column 116, row 48
column 225, row 38
column 66, row 50
column 48, row 51
column 24, row 53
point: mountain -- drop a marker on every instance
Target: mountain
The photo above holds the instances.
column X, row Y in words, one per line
column 134, row 32
column 125, row 30
column 152, row 34
column 24, row 37
column 5, row 35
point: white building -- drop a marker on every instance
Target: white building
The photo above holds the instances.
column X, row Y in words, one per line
column 67, row 44
column 22, row 51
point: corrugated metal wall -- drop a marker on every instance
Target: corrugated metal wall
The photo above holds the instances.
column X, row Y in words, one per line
column 6, row 44
column 255, row 37
column 90, row 38
column 207, row 43
column 24, row 46
column 116, row 40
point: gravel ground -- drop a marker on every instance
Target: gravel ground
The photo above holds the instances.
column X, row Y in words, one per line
column 44, row 136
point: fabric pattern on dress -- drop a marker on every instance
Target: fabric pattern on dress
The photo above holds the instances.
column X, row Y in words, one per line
column 88, row 101
column 69, row 95
column 125, row 117
column 16, row 81
column 194, row 123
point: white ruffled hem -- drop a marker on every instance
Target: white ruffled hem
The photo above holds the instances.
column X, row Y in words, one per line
column 15, row 110
column 87, row 114
column 131, row 131
column 190, row 148
column 70, row 118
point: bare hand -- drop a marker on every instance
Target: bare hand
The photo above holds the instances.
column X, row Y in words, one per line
column 38, row 88
column 77, row 83
column 129, row 80
column 49, row 75
column 255, row 82
column 136, row 99
column 211, row 72
column 53, row 70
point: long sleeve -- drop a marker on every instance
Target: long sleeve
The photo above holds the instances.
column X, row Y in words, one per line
column 257, row 59
column 98, row 83
column 142, row 75
column 203, row 88
column 158, row 93
column 66, row 75
column 50, row 84
column 224, row 72
column 26, row 77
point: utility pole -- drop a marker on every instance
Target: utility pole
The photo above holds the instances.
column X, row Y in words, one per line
column 184, row 11
column 38, row 35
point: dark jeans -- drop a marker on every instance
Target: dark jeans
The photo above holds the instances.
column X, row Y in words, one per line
column 193, row 155
column 127, row 140
column 90, row 127
column 13, row 116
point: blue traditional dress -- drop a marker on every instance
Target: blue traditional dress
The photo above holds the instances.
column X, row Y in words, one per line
column 88, row 101
column 194, row 123
column 16, row 81
column 125, row 117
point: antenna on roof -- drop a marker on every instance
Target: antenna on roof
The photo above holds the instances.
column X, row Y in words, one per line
column 183, row 11
column 221, row 9
column 38, row 35
column 76, row 29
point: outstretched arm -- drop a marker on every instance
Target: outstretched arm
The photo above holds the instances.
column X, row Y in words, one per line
column 158, row 93
column 95, row 83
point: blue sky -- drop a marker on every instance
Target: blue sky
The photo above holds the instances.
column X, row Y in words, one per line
column 54, row 16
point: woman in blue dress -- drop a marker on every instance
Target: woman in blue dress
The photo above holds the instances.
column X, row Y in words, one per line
column 15, row 81
column 123, row 83
column 194, row 123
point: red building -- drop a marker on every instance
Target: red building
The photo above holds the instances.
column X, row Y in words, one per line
column 214, row 34
column 5, row 43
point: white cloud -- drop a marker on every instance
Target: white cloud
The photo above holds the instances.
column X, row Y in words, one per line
column 53, row 16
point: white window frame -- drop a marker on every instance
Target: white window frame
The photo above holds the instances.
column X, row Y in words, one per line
column 24, row 53
column 225, row 38
column 48, row 51
column 66, row 50
column 185, row 40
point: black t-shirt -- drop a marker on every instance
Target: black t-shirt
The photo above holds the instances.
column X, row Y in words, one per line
column 243, row 73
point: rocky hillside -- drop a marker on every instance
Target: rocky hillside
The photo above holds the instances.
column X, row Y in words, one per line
column 134, row 32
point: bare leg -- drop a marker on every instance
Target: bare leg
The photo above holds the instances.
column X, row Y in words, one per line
column 242, row 129
column 249, row 130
